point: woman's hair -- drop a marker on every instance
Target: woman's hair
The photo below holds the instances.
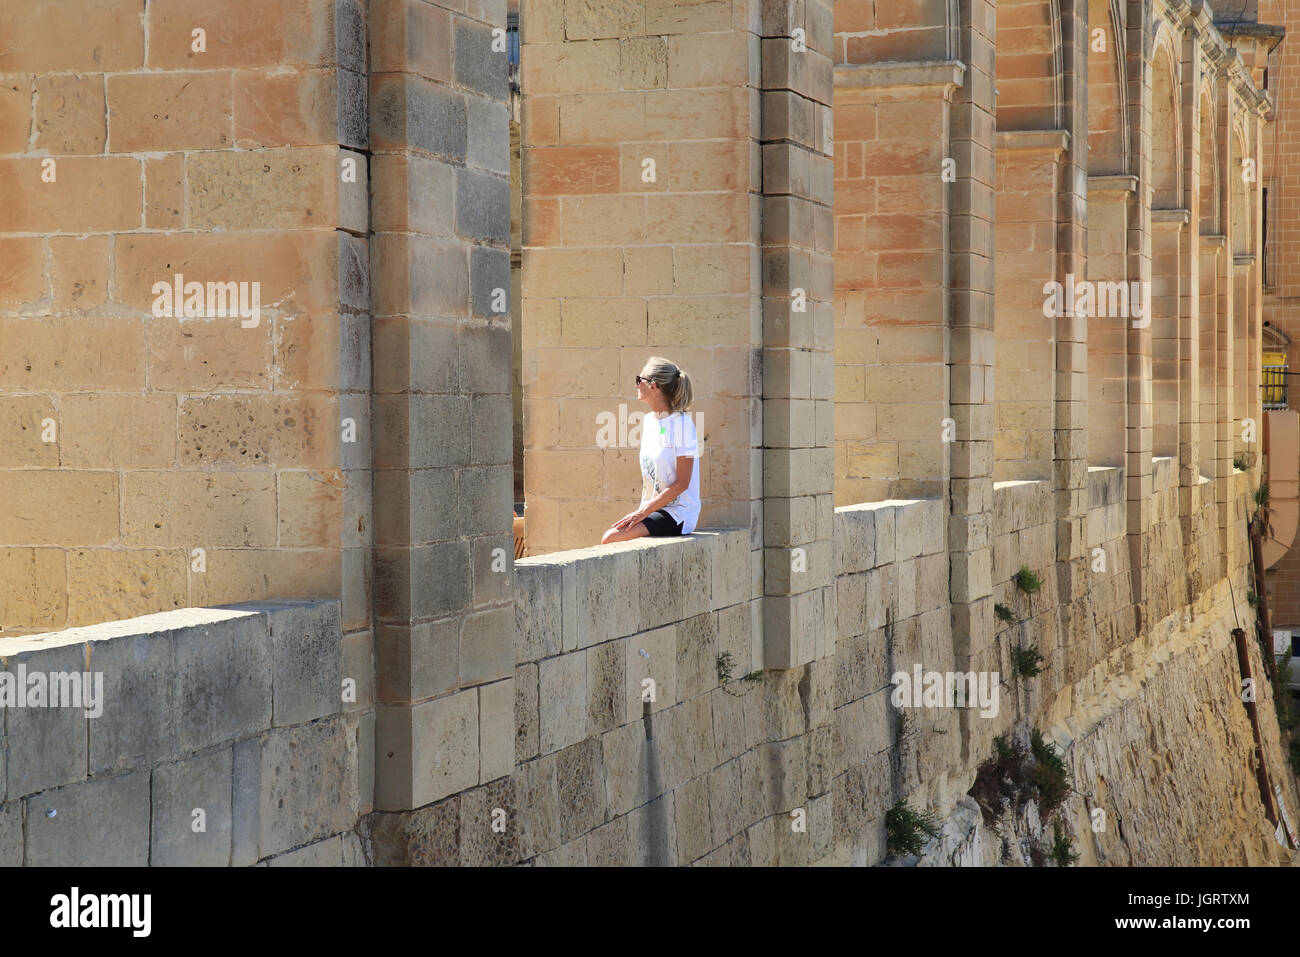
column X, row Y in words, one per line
column 674, row 382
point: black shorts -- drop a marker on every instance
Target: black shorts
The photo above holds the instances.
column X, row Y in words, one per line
column 660, row 524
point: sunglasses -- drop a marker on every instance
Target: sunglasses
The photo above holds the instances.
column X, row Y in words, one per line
column 640, row 379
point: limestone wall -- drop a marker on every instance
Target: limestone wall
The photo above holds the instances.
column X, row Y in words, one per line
column 715, row 772
column 139, row 143
column 235, row 712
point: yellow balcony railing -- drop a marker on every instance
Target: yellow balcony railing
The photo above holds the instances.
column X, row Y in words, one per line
column 1273, row 379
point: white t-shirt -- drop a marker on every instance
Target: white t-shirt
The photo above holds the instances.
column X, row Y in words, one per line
column 662, row 440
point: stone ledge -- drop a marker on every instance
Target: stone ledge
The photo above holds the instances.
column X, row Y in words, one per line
column 1053, row 141
column 918, row 74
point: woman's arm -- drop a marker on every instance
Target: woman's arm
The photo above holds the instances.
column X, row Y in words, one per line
column 685, row 468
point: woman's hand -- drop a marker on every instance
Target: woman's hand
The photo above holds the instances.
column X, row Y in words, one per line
column 628, row 520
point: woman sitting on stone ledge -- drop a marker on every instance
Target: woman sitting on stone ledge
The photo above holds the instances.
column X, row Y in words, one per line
column 670, row 479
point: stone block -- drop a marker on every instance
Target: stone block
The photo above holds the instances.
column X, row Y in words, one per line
column 426, row 837
column 102, row 822
column 141, row 722
column 365, row 731
column 672, row 746
column 352, row 109
column 489, row 135
column 527, row 713
column 662, row 583
column 409, row 111
column 416, row 662
column 734, row 625
column 11, row 834
column 298, row 188
column 885, row 535
column 490, row 825
column 199, row 509
column 693, row 822
column 697, row 656
column 653, row 831
column 733, row 709
column 537, row 792
column 496, row 729
column 487, row 645
column 632, row 778
column 606, row 687
column 179, row 836
column 782, row 703
column 782, row 774
column 306, row 658
column 298, row 109
column 563, row 701
column 538, row 616
column 697, row 730
column 651, row 655
column 489, row 271
column 355, row 851
column 308, row 785
column 482, row 206
column 60, row 508
column 69, row 115
column 46, row 747
column 610, row 845
column 601, row 597
column 477, row 66
column 573, row 854
column 326, row 853
column 697, row 572
column 444, row 746
column 730, row 568
column 223, row 685
column 422, row 581
column 153, row 112
column 245, row 802
column 580, row 782
column 909, row 531
column 359, row 670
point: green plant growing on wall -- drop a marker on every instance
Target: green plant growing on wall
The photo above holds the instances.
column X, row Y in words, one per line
column 1294, row 755
column 1242, row 462
column 1251, row 598
column 907, row 830
column 1051, row 777
column 1001, row 779
column 725, row 664
column 1026, row 661
column 1062, row 851
column 1003, row 613
column 1261, row 496
column 1027, row 580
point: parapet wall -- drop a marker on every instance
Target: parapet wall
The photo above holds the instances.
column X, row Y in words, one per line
column 801, row 765
column 645, row 731
column 222, row 737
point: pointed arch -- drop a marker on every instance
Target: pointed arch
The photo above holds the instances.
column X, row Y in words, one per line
column 1108, row 126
